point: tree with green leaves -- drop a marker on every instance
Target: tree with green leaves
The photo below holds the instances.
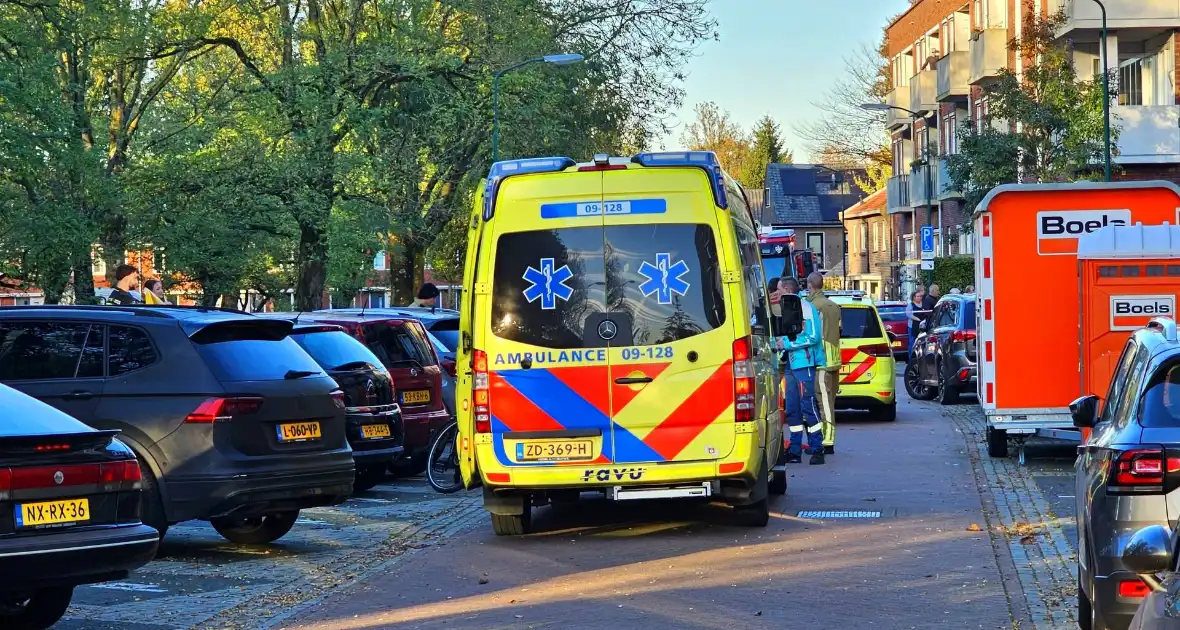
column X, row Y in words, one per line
column 767, row 148
column 1043, row 126
column 714, row 130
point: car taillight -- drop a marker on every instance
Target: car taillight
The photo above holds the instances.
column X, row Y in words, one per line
column 481, row 393
column 449, row 366
column 877, row 350
column 1133, row 588
column 337, row 398
column 963, row 335
column 1141, row 471
column 126, row 474
column 743, row 380
column 223, row 409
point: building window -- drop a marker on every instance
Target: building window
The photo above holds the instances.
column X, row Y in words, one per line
column 949, row 130
column 898, row 155
column 379, row 261
column 377, row 300
column 966, row 242
column 815, row 242
column 864, row 237
column 99, row 266
column 910, row 252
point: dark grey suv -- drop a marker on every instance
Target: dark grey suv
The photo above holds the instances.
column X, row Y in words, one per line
column 231, row 420
column 1128, row 472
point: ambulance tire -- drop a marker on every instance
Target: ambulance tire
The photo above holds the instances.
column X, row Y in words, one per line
column 756, row 514
column 886, row 414
column 997, row 442
column 778, row 483
column 514, row 524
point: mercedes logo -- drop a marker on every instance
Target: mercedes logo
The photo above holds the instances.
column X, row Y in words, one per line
column 607, row 329
column 58, row 477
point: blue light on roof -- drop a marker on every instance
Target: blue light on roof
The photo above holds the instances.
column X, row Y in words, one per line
column 502, row 170
column 706, row 160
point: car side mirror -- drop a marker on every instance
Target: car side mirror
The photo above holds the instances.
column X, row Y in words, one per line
column 792, row 315
column 1084, row 411
column 1149, row 551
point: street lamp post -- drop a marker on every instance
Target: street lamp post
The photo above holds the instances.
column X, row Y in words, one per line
column 1105, row 91
column 557, row 60
column 882, row 107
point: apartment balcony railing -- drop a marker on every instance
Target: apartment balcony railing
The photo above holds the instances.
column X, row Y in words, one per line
column 1121, row 14
column 897, row 194
column 923, row 185
column 899, row 97
column 1148, row 134
column 923, row 92
column 954, row 76
column 989, row 54
column 945, row 189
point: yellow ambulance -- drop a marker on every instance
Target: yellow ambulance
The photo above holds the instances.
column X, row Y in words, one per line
column 616, row 339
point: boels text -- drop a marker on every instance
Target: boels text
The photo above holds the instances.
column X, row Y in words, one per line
column 1128, row 312
column 615, row 474
column 1074, row 223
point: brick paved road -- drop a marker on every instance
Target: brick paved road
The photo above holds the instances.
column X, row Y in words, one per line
column 660, row 565
column 201, row 580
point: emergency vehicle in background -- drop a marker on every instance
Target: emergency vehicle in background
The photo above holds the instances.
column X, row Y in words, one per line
column 780, row 259
column 1039, row 306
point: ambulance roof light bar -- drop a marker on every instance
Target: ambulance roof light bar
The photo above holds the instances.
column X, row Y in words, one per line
column 509, row 168
column 1166, row 326
column 704, row 160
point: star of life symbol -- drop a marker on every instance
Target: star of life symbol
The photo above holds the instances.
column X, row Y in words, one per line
column 664, row 278
column 548, row 284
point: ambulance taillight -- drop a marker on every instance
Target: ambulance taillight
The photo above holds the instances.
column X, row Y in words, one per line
column 876, row 350
column 743, row 380
column 481, row 393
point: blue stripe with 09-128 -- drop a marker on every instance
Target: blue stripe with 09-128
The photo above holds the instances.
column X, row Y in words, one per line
column 603, row 208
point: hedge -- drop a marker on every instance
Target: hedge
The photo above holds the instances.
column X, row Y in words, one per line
column 952, row 272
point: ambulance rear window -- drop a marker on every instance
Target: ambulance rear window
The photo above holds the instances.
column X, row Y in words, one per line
column 859, row 323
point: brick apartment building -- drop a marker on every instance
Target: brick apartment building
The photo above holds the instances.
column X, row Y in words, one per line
column 870, row 247
column 943, row 52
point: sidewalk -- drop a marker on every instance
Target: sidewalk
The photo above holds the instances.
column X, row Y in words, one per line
column 899, row 539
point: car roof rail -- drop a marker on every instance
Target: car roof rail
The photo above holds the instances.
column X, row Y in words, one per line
column 1166, row 326
column 93, row 308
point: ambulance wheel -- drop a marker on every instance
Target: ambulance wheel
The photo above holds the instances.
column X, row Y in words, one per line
column 886, row 414
column 756, row 514
column 514, row 524
column 997, row 442
column 778, row 481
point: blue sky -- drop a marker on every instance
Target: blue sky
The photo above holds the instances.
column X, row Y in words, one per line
column 778, row 56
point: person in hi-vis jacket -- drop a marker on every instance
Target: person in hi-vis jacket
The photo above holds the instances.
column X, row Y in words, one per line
column 804, row 354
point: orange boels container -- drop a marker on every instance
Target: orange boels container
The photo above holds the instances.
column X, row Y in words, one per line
column 1028, row 290
column 1129, row 275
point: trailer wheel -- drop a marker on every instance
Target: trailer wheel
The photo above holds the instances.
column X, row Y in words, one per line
column 997, row 442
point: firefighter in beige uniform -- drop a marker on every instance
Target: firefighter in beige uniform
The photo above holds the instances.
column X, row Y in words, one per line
column 827, row 378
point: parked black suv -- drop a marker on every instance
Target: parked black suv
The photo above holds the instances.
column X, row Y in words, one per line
column 942, row 361
column 373, row 416
column 231, row 420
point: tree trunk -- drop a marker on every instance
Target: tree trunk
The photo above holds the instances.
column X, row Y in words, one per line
column 83, row 280
column 404, row 275
column 309, row 259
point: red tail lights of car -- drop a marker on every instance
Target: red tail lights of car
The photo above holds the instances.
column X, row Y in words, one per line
column 224, row 409
column 337, row 399
column 449, row 366
column 963, row 335
column 119, row 475
column 481, row 393
column 1133, row 589
column 1141, row 471
column 877, row 350
column 743, row 380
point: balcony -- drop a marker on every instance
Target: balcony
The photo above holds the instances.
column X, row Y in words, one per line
column 899, row 97
column 989, row 54
column 945, row 190
column 922, row 92
column 897, row 194
column 954, row 80
column 923, row 185
column 1122, row 14
column 1149, row 134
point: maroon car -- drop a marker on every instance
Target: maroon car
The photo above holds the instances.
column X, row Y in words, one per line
column 404, row 348
column 894, row 317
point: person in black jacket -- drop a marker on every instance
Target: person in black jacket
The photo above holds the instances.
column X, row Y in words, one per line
column 126, row 283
